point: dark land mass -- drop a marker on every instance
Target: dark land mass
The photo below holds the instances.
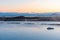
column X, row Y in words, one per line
column 23, row 18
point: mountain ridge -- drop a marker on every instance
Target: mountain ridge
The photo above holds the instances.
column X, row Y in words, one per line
column 12, row 14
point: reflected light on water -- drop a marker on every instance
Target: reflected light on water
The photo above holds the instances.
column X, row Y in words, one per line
column 29, row 32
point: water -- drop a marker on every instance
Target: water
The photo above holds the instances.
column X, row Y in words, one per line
column 16, row 30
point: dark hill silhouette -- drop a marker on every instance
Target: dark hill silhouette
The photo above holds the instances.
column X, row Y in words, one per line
column 22, row 18
column 29, row 17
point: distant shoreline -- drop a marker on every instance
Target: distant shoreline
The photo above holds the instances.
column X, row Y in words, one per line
column 23, row 18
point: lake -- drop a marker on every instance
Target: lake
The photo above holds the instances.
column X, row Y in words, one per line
column 23, row 30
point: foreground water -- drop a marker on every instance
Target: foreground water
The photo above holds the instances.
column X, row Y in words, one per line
column 29, row 30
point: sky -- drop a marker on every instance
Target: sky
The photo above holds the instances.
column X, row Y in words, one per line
column 29, row 5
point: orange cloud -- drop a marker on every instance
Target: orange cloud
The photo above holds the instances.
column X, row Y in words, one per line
column 27, row 9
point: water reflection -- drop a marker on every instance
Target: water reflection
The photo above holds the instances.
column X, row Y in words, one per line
column 29, row 23
column 22, row 31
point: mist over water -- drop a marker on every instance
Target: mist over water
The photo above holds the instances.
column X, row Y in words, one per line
column 23, row 30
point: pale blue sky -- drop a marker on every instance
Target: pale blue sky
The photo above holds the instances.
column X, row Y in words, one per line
column 28, row 5
column 14, row 2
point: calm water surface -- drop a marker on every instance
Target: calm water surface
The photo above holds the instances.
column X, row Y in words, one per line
column 29, row 31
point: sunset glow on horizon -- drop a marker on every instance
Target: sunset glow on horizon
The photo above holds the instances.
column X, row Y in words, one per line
column 29, row 5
